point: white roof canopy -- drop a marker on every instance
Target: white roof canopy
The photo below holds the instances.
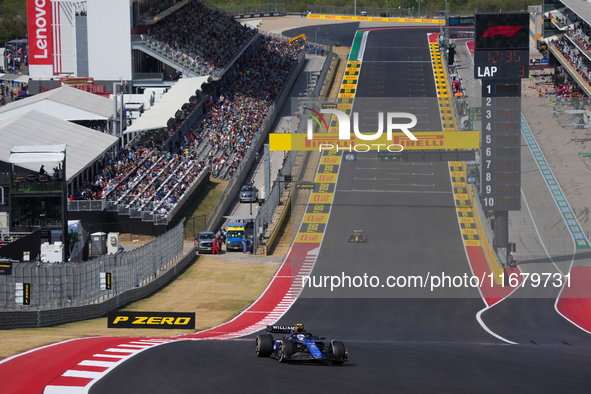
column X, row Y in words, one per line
column 14, row 77
column 581, row 8
column 84, row 145
column 157, row 117
column 65, row 102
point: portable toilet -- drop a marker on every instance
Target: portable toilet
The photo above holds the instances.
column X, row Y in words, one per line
column 98, row 243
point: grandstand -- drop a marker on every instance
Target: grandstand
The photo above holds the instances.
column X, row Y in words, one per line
column 150, row 177
column 202, row 127
column 199, row 34
column 567, row 35
column 153, row 177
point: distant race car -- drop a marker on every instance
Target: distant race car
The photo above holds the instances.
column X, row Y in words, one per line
column 357, row 236
column 299, row 345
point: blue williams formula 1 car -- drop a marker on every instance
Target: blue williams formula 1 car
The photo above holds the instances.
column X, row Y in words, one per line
column 299, row 345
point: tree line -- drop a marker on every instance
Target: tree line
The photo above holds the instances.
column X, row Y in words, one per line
column 13, row 20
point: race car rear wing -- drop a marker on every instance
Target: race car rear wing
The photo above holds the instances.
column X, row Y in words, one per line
column 282, row 329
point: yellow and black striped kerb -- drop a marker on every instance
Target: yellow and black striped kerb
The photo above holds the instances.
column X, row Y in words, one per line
column 443, row 92
column 463, row 204
column 349, row 85
column 316, row 216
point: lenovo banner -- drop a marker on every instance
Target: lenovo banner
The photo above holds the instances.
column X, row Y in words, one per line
column 39, row 18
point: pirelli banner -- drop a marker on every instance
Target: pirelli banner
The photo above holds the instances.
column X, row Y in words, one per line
column 383, row 124
column 424, row 140
column 164, row 320
column 376, row 19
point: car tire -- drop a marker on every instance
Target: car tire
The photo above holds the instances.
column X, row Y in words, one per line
column 263, row 345
column 286, row 349
column 339, row 351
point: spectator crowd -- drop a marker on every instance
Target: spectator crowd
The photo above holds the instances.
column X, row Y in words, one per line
column 155, row 175
column 574, row 56
column 575, row 47
column 205, row 35
column 150, row 8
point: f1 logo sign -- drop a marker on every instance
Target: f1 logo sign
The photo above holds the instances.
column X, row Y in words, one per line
column 508, row 31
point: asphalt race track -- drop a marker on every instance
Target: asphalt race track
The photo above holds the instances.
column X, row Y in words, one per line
column 399, row 339
column 376, row 366
column 528, row 316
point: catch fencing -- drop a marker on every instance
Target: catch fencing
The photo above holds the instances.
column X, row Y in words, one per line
column 266, row 212
column 37, row 287
column 241, row 9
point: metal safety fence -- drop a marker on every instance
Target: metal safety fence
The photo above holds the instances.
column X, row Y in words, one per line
column 392, row 12
column 86, row 205
column 240, row 9
column 194, row 225
column 37, row 286
column 330, row 56
column 266, row 212
column 417, row 10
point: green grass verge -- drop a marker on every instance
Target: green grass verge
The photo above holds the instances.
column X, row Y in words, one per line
column 199, row 211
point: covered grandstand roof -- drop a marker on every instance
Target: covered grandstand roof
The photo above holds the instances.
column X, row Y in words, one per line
column 580, row 7
column 65, row 103
column 33, row 128
column 157, row 117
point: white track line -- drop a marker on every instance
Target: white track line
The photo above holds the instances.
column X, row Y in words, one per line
column 563, row 219
column 478, row 315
